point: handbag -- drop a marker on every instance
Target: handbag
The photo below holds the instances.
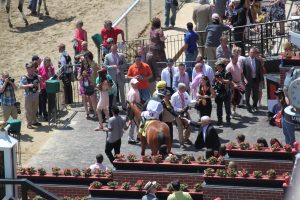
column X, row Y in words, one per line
column 175, row 3
column 89, row 90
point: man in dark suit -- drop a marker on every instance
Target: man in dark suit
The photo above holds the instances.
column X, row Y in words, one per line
column 252, row 70
column 208, row 136
column 115, row 64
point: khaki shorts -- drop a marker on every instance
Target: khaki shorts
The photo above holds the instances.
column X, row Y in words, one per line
column 9, row 111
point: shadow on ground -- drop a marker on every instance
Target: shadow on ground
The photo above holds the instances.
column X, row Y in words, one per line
column 46, row 22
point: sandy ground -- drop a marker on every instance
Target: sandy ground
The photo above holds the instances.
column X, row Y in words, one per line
column 43, row 35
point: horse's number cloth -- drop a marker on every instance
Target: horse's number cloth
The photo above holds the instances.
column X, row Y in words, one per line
column 143, row 130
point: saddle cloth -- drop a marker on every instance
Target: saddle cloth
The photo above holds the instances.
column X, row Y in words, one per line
column 143, row 130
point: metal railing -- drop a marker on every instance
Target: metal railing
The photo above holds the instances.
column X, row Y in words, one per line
column 26, row 186
column 125, row 15
column 262, row 35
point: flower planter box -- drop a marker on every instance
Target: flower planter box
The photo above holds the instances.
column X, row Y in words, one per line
column 194, row 167
column 247, row 181
column 265, row 153
column 61, row 179
column 133, row 193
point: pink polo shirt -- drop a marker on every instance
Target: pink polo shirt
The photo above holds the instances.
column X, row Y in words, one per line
column 45, row 74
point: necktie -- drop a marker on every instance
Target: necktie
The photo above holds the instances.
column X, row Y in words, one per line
column 182, row 100
column 171, row 77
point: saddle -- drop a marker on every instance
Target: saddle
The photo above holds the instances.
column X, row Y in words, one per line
column 142, row 130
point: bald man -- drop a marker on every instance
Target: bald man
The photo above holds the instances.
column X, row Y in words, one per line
column 208, row 136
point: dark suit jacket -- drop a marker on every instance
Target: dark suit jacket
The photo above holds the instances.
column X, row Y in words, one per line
column 212, row 139
column 247, row 70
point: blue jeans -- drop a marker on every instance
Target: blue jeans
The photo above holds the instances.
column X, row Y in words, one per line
column 288, row 131
column 189, row 65
column 33, row 4
column 170, row 7
column 144, row 94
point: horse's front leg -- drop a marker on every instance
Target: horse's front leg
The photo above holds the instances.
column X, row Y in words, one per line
column 45, row 7
column 39, row 9
column 20, row 7
column 7, row 6
column 143, row 145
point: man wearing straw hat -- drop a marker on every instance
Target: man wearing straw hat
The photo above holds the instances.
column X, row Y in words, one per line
column 151, row 189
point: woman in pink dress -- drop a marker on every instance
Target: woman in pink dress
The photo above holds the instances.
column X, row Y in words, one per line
column 80, row 36
column 103, row 86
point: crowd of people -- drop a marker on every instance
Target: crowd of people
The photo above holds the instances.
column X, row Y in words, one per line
column 165, row 90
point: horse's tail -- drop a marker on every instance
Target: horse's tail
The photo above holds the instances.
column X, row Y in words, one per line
column 162, row 143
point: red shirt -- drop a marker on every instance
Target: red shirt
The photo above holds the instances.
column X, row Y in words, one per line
column 113, row 33
column 144, row 70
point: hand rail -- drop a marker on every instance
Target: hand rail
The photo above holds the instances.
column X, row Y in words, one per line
column 28, row 185
column 119, row 19
column 124, row 15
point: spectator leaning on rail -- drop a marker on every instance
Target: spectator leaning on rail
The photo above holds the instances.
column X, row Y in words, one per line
column 191, row 52
column 30, row 83
column 110, row 32
column 214, row 32
column 142, row 72
column 7, row 96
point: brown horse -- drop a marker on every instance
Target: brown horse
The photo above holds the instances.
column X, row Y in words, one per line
column 157, row 133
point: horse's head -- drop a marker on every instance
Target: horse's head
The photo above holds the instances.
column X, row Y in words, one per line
column 133, row 110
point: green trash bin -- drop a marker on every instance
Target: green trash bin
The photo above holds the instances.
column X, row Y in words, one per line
column 15, row 125
column 98, row 40
column 52, row 86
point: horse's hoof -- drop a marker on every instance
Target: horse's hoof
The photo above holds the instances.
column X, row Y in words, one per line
column 47, row 13
column 10, row 25
column 26, row 23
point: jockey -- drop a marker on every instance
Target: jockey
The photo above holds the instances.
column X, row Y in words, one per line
column 152, row 108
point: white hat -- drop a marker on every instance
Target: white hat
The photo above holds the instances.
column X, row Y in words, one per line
column 215, row 16
column 149, row 185
column 134, row 81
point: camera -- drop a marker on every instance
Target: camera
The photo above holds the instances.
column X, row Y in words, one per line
column 11, row 79
column 218, row 75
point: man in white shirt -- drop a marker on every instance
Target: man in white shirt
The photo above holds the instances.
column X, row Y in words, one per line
column 168, row 74
column 133, row 96
column 98, row 165
column 206, row 69
column 180, row 100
